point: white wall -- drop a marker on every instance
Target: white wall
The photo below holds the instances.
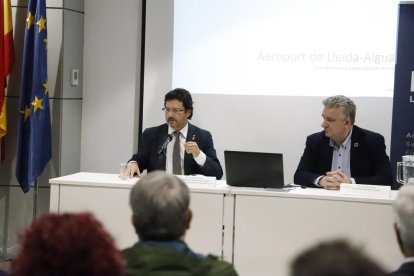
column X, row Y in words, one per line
column 250, row 123
column 110, row 105
column 111, row 83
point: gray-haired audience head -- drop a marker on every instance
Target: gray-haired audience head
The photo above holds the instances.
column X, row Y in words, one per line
column 346, row 105
column 404, row 225
column 160, row 206
column 334, row 258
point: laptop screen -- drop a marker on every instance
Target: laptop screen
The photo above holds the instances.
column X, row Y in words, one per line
column 254, row 169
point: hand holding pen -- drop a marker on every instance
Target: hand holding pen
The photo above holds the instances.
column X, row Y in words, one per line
column 191, row 147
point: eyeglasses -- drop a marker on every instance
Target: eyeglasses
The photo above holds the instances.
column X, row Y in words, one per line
column 174, row 110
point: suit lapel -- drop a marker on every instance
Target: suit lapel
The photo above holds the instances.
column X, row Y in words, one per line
column 188, row 157
column 326, row 152
column 355, row 148
column 191, row 133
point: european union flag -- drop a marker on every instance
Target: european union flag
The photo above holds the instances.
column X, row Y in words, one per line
column 34, row 148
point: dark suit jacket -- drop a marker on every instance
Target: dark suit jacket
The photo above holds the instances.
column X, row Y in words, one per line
column 148, row 158
column 406, row 269
column 369, row 162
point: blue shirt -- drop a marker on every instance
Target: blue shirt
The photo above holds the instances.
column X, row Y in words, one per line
column 341, row 156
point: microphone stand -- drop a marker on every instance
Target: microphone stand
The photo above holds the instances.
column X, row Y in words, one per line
column 162, row 154
column 4, row 250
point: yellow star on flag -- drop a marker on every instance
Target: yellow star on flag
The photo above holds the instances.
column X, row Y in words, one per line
column 26, row 112
column 41, row 23
column 45, row 41
column 46, row 87
column 30, row 20
column 37, row 103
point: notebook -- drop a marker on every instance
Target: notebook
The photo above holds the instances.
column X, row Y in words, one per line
column 254, row 169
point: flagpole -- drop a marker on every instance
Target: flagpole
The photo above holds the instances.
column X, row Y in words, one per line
column 35, row 194
column 5, row 256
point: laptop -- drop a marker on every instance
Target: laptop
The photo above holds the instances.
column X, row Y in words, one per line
column 254, row 169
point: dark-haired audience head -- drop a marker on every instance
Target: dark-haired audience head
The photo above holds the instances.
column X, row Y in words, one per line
column 404, row 225
column 160, row 206
column 182, row 95
column 334, row 258
column 68, row 244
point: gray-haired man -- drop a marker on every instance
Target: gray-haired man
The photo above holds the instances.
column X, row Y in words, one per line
column 161, row 216
column 404, row 228
column 343, row 152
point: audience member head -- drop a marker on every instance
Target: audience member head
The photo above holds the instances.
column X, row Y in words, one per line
column 404, row 225
column 68, row 244
column 334, row 258
column 183, row 96
column 160, row 206
column 346, row 105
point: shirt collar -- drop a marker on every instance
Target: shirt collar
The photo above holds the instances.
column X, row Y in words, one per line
column 408, row 260
column 183, row 131
column 345, row 144
column 174, row 244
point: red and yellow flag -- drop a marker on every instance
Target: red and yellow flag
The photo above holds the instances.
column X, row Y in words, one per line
column 6, row 58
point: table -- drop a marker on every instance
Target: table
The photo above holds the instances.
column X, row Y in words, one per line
column 271, row 227
column 107, row 197
column 259, row 230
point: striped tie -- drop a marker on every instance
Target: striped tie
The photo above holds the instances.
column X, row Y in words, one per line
column 176, row 154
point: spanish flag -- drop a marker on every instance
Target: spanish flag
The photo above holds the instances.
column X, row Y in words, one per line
column 6, row 58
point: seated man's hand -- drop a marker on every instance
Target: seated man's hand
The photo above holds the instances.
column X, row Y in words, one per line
column 192, row 148
column 329, row 182
column 134, row 169
column 333, row 179
column 340, row 176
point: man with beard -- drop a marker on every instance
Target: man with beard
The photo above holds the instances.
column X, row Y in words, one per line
column 191, row 150
column 343, row 152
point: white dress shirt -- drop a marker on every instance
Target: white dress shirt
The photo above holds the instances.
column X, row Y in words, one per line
column 200, row 159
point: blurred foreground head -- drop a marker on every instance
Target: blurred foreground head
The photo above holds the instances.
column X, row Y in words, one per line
column 334, row 258
column 404, row 219
column 160, row 206
column 68, row 244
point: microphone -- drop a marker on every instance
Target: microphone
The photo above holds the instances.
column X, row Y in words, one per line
column 165, row 144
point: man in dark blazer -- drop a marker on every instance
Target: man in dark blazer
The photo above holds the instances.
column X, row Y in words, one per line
column 198, row 155
column 343, row 152
column 404, row 229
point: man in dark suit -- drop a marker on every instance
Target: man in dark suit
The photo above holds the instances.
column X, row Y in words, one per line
column 404, row 229
column 343, row 152
column 196, row 149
